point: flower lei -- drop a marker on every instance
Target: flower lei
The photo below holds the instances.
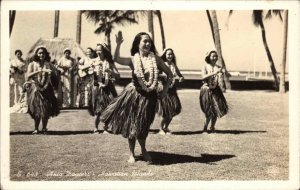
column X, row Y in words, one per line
column 101, row 72
column 150, row 63
column 172, row 68
column 42, row 80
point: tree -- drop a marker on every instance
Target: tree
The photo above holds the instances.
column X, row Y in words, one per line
column 107, row 20
column 149, row 15
column 56, row 23
column 282, row 87
column 12, row 16
column 212, row 17
column 258, row 21
column 162, row 32
column 78, row 27
column 150, row 23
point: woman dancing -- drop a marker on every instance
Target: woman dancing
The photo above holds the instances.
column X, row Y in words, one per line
column 42, row 103
column 103, row 90
column 133, row 111
column 212, row 101
column 169, row 106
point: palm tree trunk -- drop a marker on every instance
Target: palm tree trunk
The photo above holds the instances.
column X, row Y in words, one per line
column 78, row 27
column 273, row 69
column 282, row 87
column 56, row 24
column 150, row 24
column 163, row 40
column 215, row 28
column 12, row 16
column 107, row 36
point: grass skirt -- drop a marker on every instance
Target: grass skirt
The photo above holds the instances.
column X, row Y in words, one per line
column 169, row 105
column 41, row 104
column 99, row 98
column 131, row 113
column 212, row 102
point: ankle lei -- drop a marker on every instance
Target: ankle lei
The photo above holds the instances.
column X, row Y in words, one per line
column 150, row 63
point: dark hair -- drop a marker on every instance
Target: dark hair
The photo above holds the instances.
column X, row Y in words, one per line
column 36, row 57
column 163, row 57
column 93, row 53
column 106, row 53
column 207, row 58
column 18, row 51
column 136, row 42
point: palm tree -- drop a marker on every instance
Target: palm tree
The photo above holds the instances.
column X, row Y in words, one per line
column 212, row 17
column 162, row 32
column 78, row 27
column 149, row 15
column 282, row 87
column 150, row 23
column 56, row 23
column 107, row 20
column 12, row 16
column 258, row 18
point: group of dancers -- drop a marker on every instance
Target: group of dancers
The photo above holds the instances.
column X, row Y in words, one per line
column 131, row 113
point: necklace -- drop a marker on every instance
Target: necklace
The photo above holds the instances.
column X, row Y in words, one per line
column 139, row 67
column 101, row 67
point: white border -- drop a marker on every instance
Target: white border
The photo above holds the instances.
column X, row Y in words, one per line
column 293, row 44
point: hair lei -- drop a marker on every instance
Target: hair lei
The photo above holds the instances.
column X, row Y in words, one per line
column 138, row 70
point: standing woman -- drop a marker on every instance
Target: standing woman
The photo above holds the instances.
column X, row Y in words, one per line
column 42, row 103
column 85, row 73
column 17, row 75
column 133, row 111
column 169, row 105
column 103, row 90
column 66, row 66
column 212, row 101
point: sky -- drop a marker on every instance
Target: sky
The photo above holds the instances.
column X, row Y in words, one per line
column 187, row 32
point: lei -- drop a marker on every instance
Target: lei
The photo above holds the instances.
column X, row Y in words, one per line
column 150, row 63
column 102, row 73
column 172, row 68
column 43, row 80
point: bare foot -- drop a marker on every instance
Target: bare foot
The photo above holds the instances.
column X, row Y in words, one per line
column 105, row 132
column 131, row 159
column 35, row 132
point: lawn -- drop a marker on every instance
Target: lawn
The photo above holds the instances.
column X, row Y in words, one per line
column 251, row 143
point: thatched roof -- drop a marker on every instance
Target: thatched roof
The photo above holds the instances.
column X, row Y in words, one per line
column 56, row 46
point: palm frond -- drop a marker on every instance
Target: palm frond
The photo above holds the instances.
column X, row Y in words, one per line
column 270, row 13
column 100, row 29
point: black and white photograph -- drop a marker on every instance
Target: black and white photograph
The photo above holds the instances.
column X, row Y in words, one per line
column 150, row 95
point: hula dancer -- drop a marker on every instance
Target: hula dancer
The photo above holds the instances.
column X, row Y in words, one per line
column 42, row 103
column 212, row 101
column 103, row 90
column 169, row 105
column 133, row 111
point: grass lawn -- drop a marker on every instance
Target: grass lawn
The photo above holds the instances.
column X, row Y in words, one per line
column 251, row 143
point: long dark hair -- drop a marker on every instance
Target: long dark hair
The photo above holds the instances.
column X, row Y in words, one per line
column 36, row 57
column 163, row 57
column 136, row 42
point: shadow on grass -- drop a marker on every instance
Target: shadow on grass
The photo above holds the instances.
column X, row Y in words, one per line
column 163, row 158
column 53, row 133
column 235, row 132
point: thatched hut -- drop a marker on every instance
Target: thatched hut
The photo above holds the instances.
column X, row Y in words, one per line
column 55, row 47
